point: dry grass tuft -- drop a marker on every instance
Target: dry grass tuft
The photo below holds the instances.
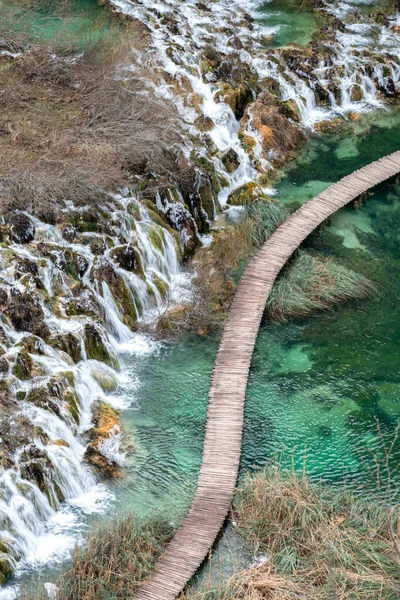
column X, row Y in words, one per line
column 320, row 543
column 310, row 283
column 117, row 557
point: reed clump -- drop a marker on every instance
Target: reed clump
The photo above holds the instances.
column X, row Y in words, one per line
column 320, row 542
column 310, row 283
column 117, row 557
column 316, row 542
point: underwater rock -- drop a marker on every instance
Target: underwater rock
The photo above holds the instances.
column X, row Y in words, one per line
column 22, row 227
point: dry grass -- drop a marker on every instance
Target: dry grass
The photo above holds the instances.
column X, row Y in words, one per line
column 117, row 557
column 70, row 126
column 318, row 543
column 321, row 543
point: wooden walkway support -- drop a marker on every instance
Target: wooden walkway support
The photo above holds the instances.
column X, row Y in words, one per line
column 223, row 436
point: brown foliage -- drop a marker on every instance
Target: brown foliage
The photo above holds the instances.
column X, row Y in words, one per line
column 72, row 126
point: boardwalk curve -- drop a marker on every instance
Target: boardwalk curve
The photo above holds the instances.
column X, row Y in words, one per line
column 223, row 436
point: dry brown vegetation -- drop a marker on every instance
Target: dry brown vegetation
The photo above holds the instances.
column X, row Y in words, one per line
column 117, row 557
column 70, row 126
column 317, row 543
column 214, row 286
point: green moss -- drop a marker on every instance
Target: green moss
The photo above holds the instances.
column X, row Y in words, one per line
column 106, row 379
column 68, row 343
column 23, row 366
column 246, row 194
column 157, row 238
column 72, row 401
column 161, row 286
column 6, row 569
column 95, row 347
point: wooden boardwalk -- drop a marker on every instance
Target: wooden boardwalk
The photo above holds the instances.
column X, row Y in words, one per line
column 223, row 437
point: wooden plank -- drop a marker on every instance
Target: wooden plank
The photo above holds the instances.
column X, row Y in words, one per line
column 223, row 435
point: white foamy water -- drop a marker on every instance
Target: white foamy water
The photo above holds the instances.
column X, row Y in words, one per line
column 43, row 526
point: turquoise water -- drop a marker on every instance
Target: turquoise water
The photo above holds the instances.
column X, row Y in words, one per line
column 294, row 22
column 316, row 385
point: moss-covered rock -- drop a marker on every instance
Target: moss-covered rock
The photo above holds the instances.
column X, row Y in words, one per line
column 68, row 343
column 204, row 123
column 22, row 228
column 128, row 258
column 105, row 423
column 157, row 237
column 36, row 467
column 6, row 568
column 26, row 314
column 231, row 160
column 95, row 346
column 105, row 271
column 105, row 377
column 161, row 286
column 23, row 366
column 246, row 194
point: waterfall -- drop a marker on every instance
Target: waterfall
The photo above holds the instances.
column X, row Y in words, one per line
column 46, row 489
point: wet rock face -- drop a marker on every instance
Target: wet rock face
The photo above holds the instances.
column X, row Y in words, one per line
column 26, row 314
column 231, row 160
column 182, row 221
column 387, row 87
column 105, row 424
column 128, row 258
column 95, row 347
column 22, row 228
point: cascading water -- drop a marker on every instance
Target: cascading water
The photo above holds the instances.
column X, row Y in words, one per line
column 46, row 488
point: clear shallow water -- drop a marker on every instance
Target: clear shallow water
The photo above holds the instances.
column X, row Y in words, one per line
column 295, row 22
column 316, row 385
